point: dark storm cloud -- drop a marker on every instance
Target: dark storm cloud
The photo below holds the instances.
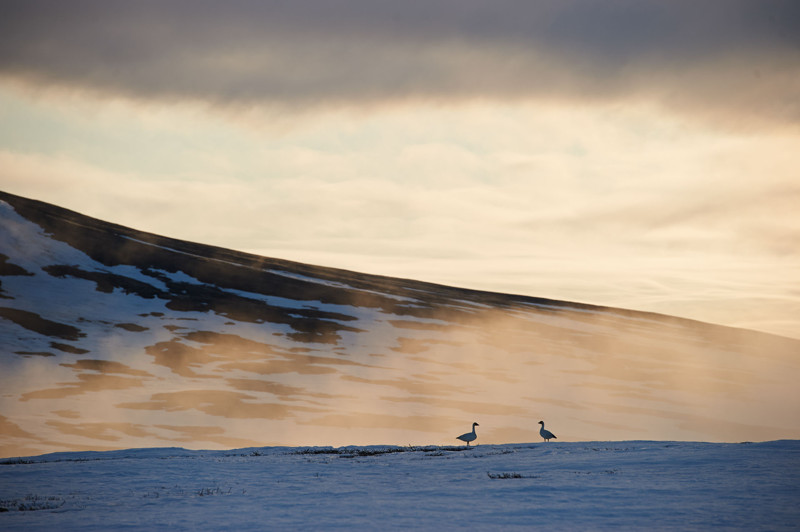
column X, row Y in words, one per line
column 732, row 57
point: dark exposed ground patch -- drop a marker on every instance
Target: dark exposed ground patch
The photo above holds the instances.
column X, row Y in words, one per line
column 34, row 322
column 132, row 327
column 318, row 325
column 68, row 348
column 310, row 325
column 106, row 282
column 7, row 268
column 106, row 367
column 232, row 352
column 86, row 382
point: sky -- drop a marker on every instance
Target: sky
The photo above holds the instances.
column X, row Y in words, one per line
column 631, row 153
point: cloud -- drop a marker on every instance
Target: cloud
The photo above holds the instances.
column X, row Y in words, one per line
column 736, row 61
column 620, row 205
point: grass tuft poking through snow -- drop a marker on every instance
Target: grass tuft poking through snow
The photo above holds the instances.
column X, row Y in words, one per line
column 352, row 452
column 495, row 476
column 32, row 503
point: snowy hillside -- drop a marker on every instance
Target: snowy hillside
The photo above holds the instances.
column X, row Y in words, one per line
column 112, row 338
column 631, row 485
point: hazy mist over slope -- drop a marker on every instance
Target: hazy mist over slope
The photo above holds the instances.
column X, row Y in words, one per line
column 113, row 338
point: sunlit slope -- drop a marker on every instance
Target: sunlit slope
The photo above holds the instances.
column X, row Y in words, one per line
column 115, row 338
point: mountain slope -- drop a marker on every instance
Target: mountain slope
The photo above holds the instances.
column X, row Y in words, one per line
column 114, row 338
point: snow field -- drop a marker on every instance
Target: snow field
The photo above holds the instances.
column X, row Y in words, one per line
column 580, row 485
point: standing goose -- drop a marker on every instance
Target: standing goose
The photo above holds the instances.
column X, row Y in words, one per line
column 546, row 434
column 469, row 436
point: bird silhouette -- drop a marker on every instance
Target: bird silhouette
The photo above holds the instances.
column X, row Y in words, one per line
column 469, row 436
column 546, row 434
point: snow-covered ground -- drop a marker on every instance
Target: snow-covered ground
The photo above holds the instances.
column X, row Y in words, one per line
column 556, row 486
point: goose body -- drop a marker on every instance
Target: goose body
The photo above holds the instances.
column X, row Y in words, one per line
column 546, row 434
column 469, row 436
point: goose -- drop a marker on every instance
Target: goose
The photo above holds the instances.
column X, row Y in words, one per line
column 546, row 434
column 469, row 436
